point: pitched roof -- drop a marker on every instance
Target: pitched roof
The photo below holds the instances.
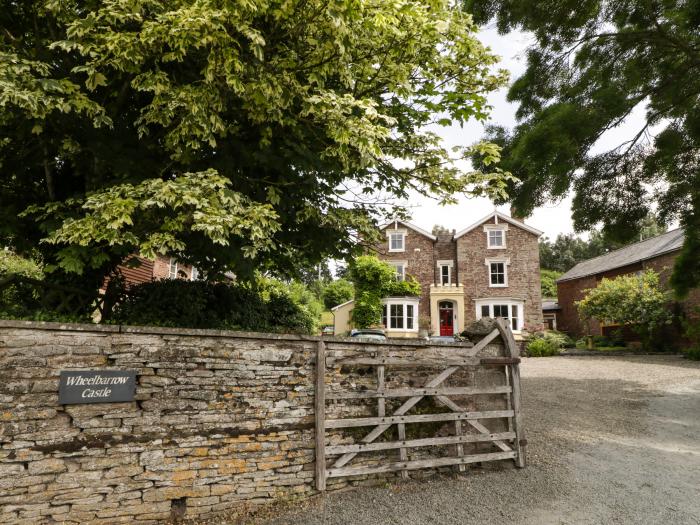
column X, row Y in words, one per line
column 637, row 252
column 501, row 217
column 411, row 226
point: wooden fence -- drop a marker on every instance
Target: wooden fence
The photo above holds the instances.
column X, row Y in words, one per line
column 468, row 428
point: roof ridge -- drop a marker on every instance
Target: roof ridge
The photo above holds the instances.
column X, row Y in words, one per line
column 625, row 255
column 624, row 247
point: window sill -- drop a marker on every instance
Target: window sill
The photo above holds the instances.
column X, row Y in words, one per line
column 498, row 286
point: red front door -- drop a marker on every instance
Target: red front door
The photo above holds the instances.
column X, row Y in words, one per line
column 446, row 319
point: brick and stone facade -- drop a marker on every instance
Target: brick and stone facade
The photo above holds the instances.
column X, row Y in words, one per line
column 466, row 290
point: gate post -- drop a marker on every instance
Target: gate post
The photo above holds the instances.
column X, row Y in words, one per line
column 320, row 416
column 514, row 369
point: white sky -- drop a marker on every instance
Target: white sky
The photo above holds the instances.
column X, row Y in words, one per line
column 552, row 219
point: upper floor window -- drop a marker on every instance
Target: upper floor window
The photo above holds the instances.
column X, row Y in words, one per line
column 400, row 268
column 495, row 235
column 172, row 269
column 397, row 241
column 498, row 272
column 496, row 238
column 445, row 272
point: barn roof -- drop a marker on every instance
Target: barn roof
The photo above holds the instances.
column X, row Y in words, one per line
column 634, row 253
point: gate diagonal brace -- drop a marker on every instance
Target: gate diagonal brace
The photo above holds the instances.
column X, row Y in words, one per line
column 413, row 401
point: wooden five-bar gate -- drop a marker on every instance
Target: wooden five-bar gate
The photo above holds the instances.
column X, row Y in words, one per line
column 468, row 428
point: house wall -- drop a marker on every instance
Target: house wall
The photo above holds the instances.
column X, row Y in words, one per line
column 574, row 290
column 419, row 256
column 341, row 318
column 523, row 272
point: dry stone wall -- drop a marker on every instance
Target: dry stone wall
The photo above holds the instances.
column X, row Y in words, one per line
column 220, row 420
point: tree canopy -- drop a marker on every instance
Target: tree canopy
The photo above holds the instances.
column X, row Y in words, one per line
column 235, row 136
column 591, row 65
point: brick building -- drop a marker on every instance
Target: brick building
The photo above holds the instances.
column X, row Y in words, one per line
column 489, row 269
column 657, row 253
column 153, row 270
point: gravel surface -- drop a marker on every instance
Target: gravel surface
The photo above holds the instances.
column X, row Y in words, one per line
column 610, row 440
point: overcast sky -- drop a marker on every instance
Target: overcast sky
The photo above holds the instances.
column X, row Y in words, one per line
column 552, row 219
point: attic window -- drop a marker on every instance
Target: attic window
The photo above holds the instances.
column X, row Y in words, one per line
column 397, row 241
column 497, row 238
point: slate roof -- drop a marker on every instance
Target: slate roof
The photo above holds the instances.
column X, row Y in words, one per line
column 550, row 305
column 637, row 252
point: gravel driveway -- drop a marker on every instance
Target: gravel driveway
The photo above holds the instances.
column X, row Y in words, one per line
column 611, row 440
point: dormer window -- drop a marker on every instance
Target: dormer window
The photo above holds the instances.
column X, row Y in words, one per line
column 495, row 236
column 397, row 240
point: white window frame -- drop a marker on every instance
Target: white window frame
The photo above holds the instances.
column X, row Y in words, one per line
column 172, row 269
column 404, row 302
column 400, row 274
column 402, row 234
column 490, row 303
column 506, row 263
column 488, row 228
column 440, row 266
column 194, row 275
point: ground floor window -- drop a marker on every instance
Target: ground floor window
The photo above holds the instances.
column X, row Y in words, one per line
column 400, row 314
column 510, row 310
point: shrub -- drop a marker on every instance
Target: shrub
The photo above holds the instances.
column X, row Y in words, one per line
column 560, row 338
column 634, row 300
column 19, row 300
column 692, row 333
column 601, row 340
column 198, row 304
column 373, row 280
column 337, row 292
column 542, row 347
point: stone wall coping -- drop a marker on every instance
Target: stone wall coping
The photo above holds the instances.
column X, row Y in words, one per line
column 200, row 332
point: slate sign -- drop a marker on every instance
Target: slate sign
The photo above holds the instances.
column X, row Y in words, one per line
column 93, row 386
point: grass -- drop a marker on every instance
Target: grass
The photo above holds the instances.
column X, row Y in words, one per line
column 326, row 318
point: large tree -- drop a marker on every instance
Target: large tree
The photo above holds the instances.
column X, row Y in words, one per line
column 592, row 64
column 232, row 135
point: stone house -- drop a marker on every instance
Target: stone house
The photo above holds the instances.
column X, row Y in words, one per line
column 657, row 253
column 489, row 269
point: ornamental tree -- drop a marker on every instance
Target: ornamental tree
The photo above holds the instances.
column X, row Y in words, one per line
column 591, row 65
column 633, row 300
column 235, row 136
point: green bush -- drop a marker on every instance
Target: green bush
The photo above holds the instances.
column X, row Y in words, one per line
column 373, row 280
column 542, row 347
column 560, row 338
column 693, row 353
column 337, row 292
column 601, row 340
column 19, row 300
column 692, row 333
column 198, row 304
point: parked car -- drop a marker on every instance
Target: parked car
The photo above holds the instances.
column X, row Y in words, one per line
column 328, row 330
column 369, row 334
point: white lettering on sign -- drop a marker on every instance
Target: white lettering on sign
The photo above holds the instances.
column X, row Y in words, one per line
column 89, row 392
column 96, row 380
